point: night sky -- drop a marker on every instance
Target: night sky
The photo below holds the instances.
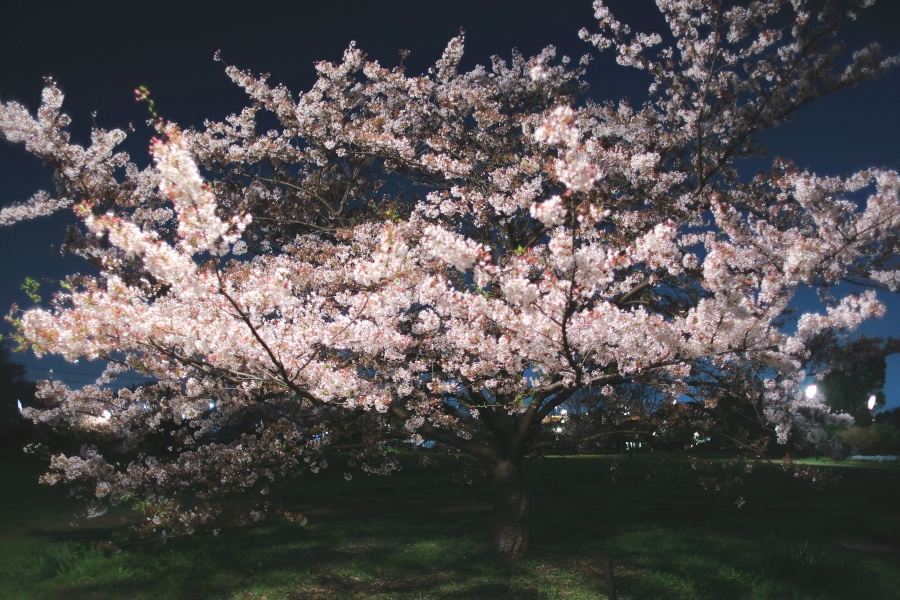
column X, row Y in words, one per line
column 100, row 51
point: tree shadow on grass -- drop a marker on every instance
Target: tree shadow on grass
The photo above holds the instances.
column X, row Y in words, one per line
column 381, row 551
column 687, row 563
column 415, row 536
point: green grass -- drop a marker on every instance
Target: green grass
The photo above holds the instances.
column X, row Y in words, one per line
column 416, row 535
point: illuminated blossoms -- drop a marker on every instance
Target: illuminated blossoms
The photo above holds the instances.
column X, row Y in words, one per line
column 283, row 301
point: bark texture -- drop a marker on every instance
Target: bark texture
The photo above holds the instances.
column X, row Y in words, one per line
column 510, row 510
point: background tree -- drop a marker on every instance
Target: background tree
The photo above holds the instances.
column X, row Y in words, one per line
column 848, row 391
column 453, row 257
column 889, row 417
column 15, row 391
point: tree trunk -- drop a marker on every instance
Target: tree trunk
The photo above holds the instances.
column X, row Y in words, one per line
column 510, row 510
column 610, row 582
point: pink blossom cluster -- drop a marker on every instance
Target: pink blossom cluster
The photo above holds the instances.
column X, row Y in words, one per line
column 282, row 302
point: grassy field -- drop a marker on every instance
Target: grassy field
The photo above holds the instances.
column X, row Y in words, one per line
column 419, row 535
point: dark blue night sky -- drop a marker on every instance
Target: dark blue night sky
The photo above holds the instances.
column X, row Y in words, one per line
column 99, row 51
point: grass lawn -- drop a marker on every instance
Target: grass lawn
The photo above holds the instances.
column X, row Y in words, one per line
column 419, row 535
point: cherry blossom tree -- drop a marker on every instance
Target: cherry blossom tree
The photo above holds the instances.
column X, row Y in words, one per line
column 284, row 298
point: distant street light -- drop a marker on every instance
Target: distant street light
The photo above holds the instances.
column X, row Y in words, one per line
column 811, row 390
column 872, row 402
